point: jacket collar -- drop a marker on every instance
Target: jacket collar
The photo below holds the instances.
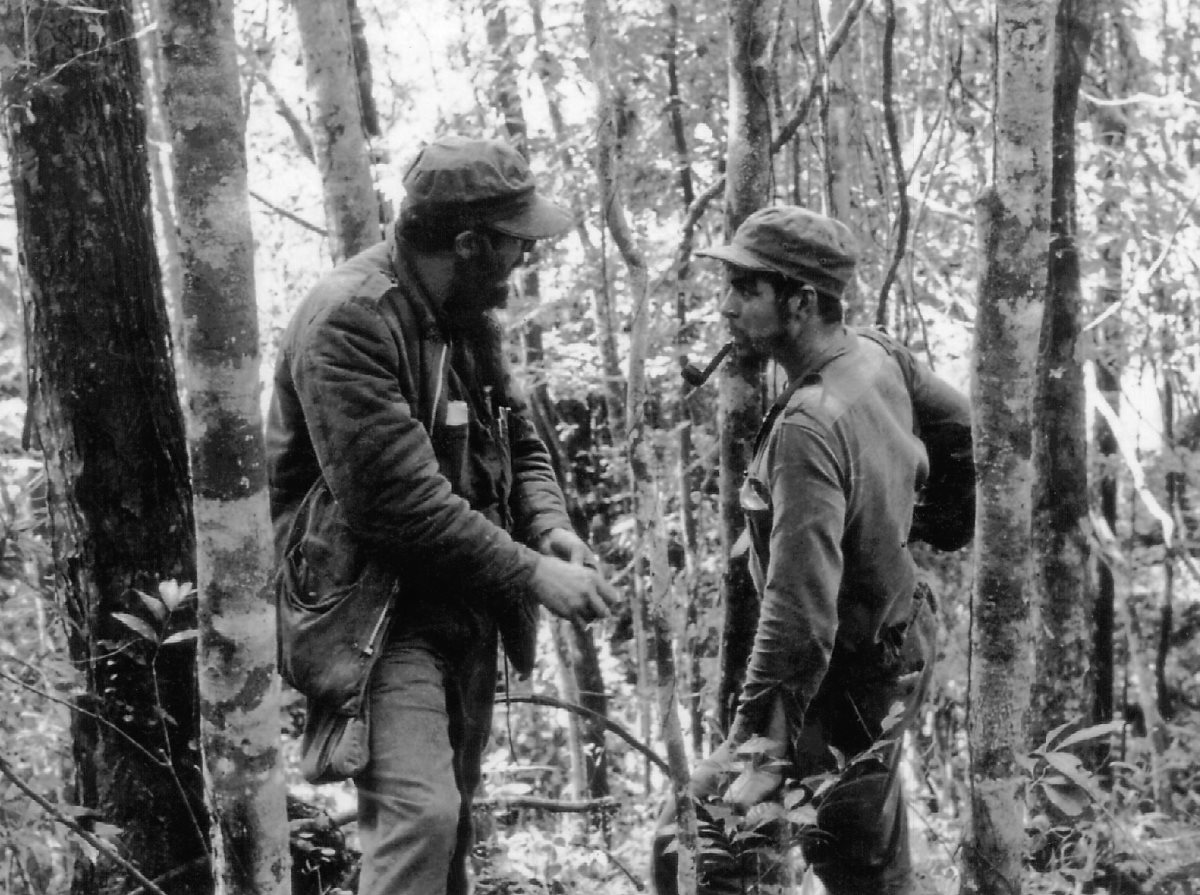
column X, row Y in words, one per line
column 428, row 317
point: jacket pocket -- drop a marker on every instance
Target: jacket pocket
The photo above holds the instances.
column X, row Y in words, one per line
column 450, row 447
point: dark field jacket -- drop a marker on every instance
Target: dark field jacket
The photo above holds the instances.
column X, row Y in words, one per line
column 432, row 484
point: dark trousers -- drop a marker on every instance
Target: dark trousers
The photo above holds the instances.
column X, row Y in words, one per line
column 860, row 842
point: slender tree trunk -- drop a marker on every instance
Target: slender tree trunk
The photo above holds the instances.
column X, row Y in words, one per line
column 239, row 685
column 579, row 667
column 842, row 124
column 105, row 413
column 1065, row 595
column 351, row 206
column 695, row 642
column 1109, row 125
column 1014, row 228
column 651, row 545
column 747, row 189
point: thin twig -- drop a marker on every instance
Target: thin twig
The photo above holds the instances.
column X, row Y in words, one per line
column 552, row 806
column 291, row 216
column 603, row 720
column 893, row 140
column 91, row 839
column 696, row 209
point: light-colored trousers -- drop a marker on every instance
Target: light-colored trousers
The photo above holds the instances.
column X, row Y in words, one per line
column 430, row 721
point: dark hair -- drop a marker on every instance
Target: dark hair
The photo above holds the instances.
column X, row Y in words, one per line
column 829, row 307
column 430, row 234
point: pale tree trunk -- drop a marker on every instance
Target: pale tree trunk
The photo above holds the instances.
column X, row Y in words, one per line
column 1065, row 595
column 104, row 411
column 842, row 124
column 335, row 116
column 740, row 399
column 695, row 644
column 579, row 669
column 1014, row 231
column 239, row 685
column 647, row 510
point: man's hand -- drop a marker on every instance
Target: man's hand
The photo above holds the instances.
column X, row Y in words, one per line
column 565, row 544
column 712, row 773
column 572, row 591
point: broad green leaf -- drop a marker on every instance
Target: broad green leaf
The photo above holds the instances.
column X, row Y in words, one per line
column 763, row 813
column 136, row 625
column 1070, row 767
column 1053, row 735
column 804, row 816
column 156, row 606
column 1067, row 800
column 1095, row 732
column 181, row 637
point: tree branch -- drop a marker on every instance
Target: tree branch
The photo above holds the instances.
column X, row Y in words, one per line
column 893, row 139
column 291, row 216
column 605, row 722
column 696, row 209
column 91, row 839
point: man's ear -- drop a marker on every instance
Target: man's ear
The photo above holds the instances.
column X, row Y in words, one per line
column 802, row 302
column 466, row 244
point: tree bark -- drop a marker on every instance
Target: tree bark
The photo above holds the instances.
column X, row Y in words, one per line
column 740, row 399
column 335, row 115
column 1064, row 589
column 1014, row 229
column 842, row 125
column 105, row 413
column 239, row 684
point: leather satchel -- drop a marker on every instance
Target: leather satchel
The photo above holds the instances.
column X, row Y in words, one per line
column 334, row 611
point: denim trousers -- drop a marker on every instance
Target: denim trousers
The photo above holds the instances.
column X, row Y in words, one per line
column 430, row 720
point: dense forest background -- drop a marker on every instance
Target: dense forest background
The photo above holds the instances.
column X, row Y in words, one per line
column 882, row 114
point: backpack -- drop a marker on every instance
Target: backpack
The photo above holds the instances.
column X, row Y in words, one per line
column 944, row 514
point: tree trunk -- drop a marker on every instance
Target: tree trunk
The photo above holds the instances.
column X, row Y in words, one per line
column 650, row 545
column 239, row 686
column 1064, row 591
column 842, row 124
column 1013, row 228
column 579, row 666
column 740, row 401
column 335, row 115
column 105, row 413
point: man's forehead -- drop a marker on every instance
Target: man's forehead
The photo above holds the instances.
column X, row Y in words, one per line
column 743, row 275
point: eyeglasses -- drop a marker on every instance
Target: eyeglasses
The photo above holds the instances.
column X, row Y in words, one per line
column 527, row 245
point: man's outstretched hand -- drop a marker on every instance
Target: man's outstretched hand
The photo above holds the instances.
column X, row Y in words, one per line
column 565, row 544
column 572, row 591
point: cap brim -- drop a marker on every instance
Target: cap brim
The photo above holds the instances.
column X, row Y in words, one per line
column 738, row 257
column 539, row 219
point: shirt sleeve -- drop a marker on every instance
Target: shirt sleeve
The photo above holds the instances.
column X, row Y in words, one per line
column 379, row 462
column 798, row 618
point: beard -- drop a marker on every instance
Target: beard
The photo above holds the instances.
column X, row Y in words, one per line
column 477, row 286
column 758, row 348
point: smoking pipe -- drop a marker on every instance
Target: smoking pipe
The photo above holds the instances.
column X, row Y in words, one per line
column 695, row 377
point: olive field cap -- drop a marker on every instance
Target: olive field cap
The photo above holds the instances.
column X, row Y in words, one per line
column 795, row 242
column 469, row 181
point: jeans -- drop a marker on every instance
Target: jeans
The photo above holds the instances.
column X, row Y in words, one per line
column 430, row 722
